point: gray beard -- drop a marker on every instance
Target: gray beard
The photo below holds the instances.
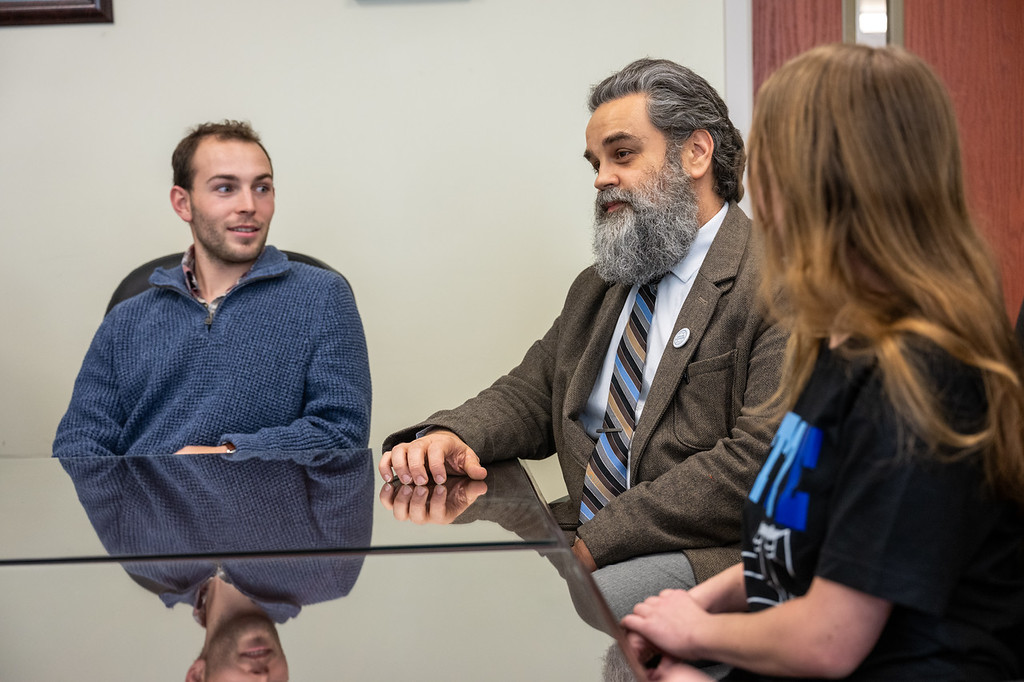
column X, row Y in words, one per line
column 651, row 232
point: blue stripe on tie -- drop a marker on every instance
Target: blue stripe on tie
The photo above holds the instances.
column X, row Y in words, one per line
column 608, row 468
column 617, row 464
column 647, row 312
column 633, row 389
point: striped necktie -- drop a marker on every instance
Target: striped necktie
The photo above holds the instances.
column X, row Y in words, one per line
column 606, row 472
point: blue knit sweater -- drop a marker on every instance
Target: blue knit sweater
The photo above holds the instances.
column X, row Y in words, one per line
column 282, row 365
column 209, row 505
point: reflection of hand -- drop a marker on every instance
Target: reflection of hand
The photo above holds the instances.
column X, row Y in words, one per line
column 439, row 504
column 665, row 623
column 671, row 670
column 441, row 451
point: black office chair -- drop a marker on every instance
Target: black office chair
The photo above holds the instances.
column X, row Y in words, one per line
column 137, row 280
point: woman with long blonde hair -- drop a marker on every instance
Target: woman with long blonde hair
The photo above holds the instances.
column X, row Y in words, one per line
column 884, row 536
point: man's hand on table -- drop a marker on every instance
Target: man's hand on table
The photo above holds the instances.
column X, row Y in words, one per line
column 440, row 504
column 440, row 451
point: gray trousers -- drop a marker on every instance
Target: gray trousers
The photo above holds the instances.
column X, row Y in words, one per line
column 626, row 584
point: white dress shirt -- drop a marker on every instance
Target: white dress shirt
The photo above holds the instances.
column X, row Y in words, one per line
column 673, row 289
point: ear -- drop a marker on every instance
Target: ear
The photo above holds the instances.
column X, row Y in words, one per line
column 196, row 671
column 696, row 153
column 181, row 203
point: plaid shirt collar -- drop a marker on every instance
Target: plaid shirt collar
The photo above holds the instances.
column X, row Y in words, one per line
column 188, row 266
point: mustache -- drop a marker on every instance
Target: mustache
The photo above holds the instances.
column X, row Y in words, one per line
column 613, row 195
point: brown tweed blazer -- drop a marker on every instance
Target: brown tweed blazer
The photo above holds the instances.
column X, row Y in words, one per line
column 699, row 442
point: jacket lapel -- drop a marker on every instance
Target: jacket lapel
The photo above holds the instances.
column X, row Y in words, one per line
column 582, row 382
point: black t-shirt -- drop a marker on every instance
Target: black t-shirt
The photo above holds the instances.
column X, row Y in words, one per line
column 847, row 493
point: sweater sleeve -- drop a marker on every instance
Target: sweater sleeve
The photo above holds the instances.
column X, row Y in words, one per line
column 94, row 422
column 336, row 409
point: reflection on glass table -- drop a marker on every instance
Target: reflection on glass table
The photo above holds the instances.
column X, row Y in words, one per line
column 468, row 615
column 200, row 504
column 472, row 580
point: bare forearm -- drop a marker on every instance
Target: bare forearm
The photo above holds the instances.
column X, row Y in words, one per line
column 825, row 634
column 723, row 593
column 757, row 642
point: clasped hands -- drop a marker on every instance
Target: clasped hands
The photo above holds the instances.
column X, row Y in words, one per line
column 657, row 630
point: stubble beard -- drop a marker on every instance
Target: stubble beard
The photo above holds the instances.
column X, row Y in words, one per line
column 209, row 236
column 650, row 232
column 221, row 649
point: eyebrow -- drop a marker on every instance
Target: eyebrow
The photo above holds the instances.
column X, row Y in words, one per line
column 235, row 178
column 612, row 139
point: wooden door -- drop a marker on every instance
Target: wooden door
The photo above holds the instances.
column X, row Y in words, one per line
column 977, row 48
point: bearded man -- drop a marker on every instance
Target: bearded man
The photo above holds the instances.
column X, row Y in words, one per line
column 665, row 333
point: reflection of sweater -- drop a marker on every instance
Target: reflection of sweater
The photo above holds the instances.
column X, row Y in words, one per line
column 211, row 505
column 282, row 365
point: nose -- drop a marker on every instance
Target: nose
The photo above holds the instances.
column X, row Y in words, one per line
column 246, row 201
column 605, row 179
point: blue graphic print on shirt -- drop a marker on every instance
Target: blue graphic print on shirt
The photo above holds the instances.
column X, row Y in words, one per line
column 796, row 443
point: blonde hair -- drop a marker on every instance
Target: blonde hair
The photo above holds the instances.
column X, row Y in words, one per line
column 858, row 187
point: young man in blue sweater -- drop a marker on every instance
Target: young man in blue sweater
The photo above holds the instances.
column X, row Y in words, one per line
column 237, row 349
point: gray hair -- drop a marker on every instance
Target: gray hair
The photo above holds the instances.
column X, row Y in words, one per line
column 680, row 102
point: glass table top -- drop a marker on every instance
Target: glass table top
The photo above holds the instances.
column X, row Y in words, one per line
column 124, row 568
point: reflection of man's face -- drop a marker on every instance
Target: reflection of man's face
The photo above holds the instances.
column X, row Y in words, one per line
column 247, row 649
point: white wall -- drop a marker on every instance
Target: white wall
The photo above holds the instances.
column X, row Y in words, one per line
column 430, row 150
